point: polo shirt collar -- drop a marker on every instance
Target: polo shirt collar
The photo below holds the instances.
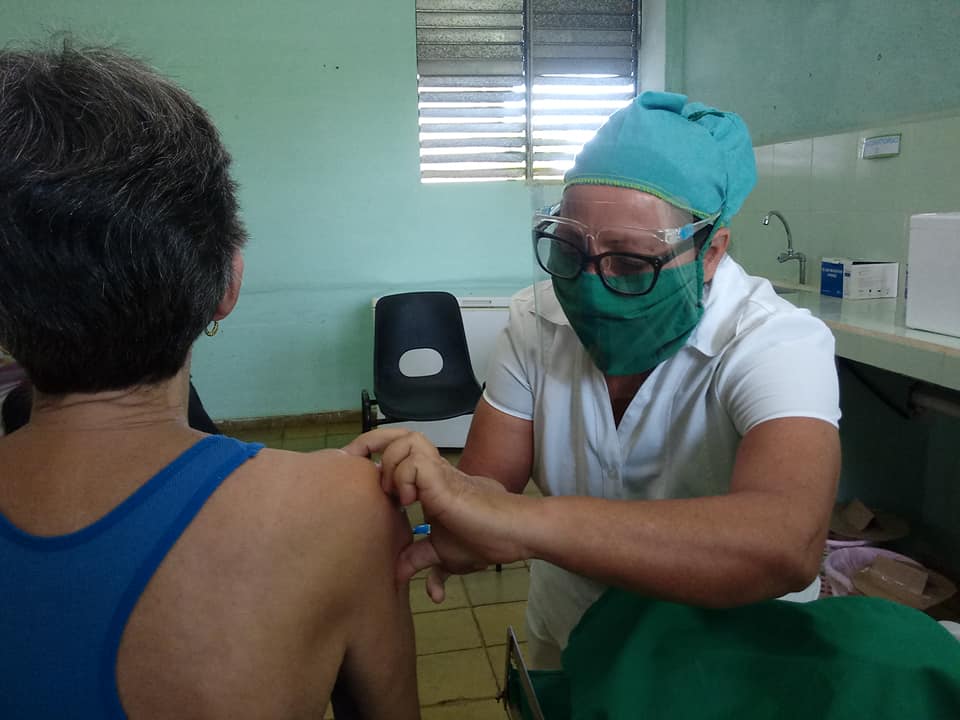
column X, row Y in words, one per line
column 721, row 296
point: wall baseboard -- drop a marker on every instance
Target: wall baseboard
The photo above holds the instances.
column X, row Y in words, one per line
column 278, row 422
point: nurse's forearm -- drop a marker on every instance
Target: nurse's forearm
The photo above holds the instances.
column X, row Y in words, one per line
column 715, row 551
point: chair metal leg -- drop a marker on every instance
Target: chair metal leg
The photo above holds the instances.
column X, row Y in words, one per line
column 366, row 411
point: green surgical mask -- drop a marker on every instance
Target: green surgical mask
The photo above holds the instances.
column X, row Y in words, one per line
column 628, row 334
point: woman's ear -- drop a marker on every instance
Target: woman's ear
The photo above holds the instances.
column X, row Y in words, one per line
column 718, row 246
column 229, row 300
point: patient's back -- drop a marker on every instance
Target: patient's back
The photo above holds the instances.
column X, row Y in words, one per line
column 282, row 579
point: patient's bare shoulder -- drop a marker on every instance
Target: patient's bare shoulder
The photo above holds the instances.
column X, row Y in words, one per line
column 342, row 489
column 328, row 500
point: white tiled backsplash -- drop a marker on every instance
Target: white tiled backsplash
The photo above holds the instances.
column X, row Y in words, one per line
column 840, row 205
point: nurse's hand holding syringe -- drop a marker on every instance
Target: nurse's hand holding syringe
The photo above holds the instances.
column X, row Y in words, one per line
column 474, row 522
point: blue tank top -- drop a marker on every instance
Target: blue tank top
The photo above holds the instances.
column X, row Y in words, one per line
column 65, row 600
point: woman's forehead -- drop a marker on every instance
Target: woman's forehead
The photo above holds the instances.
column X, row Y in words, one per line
column 617, row 206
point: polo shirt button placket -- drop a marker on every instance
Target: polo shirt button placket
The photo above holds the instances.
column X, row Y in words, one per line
column 611, row 481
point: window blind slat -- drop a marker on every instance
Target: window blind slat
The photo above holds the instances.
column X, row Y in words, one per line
column 485, row 83
column 582, row 21
column 546, row 136
column 492, row 128
column 550, row 156
column 473, row 112
column 597, row 7
column 574, row 54
column 485, row 156
column 596, row 38
column 461, row 96
column 470, row 5
column 507, row 68
column 470, row 37
column 485, row 140
column 573, row 84
column 491, row 51
column 474, row 177
column 468, row 20
column 545, row 123
column 564, row 66
column 505, row 170
column 486, row 170
column 576, row 111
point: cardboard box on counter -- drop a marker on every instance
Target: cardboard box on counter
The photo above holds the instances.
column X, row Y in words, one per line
column 933, row 264
column 858, row 279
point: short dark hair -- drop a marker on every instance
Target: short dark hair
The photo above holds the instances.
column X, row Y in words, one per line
column 118, row 219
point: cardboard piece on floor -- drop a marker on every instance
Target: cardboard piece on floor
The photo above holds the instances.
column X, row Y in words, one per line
column 881, row 528
column 910, row 578
column 857, row 514
column 898, row 581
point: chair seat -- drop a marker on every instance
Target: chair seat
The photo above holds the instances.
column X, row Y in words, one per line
column 429, row 403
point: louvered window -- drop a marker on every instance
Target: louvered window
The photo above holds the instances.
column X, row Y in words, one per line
column 511, row 89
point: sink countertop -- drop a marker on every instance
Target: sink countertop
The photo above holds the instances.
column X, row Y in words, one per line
column 874, row 332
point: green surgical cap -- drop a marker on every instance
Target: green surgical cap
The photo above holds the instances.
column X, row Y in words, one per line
column 693, row 156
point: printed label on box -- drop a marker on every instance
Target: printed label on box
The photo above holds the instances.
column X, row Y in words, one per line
column 858, row 279
column 831, row 277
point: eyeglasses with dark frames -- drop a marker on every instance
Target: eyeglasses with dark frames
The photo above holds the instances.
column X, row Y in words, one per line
column 624, row 273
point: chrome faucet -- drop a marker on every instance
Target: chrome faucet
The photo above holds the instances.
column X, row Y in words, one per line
column 789, row 253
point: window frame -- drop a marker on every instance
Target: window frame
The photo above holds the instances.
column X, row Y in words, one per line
column 524, row 157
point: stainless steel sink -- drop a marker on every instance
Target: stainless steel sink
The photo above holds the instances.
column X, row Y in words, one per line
column 780, row 290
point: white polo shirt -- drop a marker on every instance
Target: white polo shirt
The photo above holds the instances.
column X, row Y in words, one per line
column 753, row 357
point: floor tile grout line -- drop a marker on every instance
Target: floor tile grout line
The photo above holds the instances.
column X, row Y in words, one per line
column 474, row 647
column 486, row 647
column 465, row 700
column 448, row 652
column 457, row 702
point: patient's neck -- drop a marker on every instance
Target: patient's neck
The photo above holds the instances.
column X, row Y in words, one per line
column 146, row 408
column 82, row 454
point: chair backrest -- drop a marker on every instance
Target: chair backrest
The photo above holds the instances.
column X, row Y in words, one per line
column 422, row 320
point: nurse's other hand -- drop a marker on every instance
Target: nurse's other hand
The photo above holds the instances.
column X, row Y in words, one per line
column 472, row 518
column 435, row 585
column 436, row 582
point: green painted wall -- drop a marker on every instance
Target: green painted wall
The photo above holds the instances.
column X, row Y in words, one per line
column 811, row 79
column 797, row 69
column 317, row 103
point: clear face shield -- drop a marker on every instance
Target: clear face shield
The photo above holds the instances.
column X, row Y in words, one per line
column 626, row 276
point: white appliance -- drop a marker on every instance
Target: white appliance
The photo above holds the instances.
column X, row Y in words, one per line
column 483, row 319
column 933, row 273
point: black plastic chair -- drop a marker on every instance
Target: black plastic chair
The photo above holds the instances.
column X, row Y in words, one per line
column 412, row 321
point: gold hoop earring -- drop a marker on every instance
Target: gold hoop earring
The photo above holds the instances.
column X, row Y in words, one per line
column 212, row 330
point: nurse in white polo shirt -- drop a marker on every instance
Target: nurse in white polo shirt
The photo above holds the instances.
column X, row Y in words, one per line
column 679, row 417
